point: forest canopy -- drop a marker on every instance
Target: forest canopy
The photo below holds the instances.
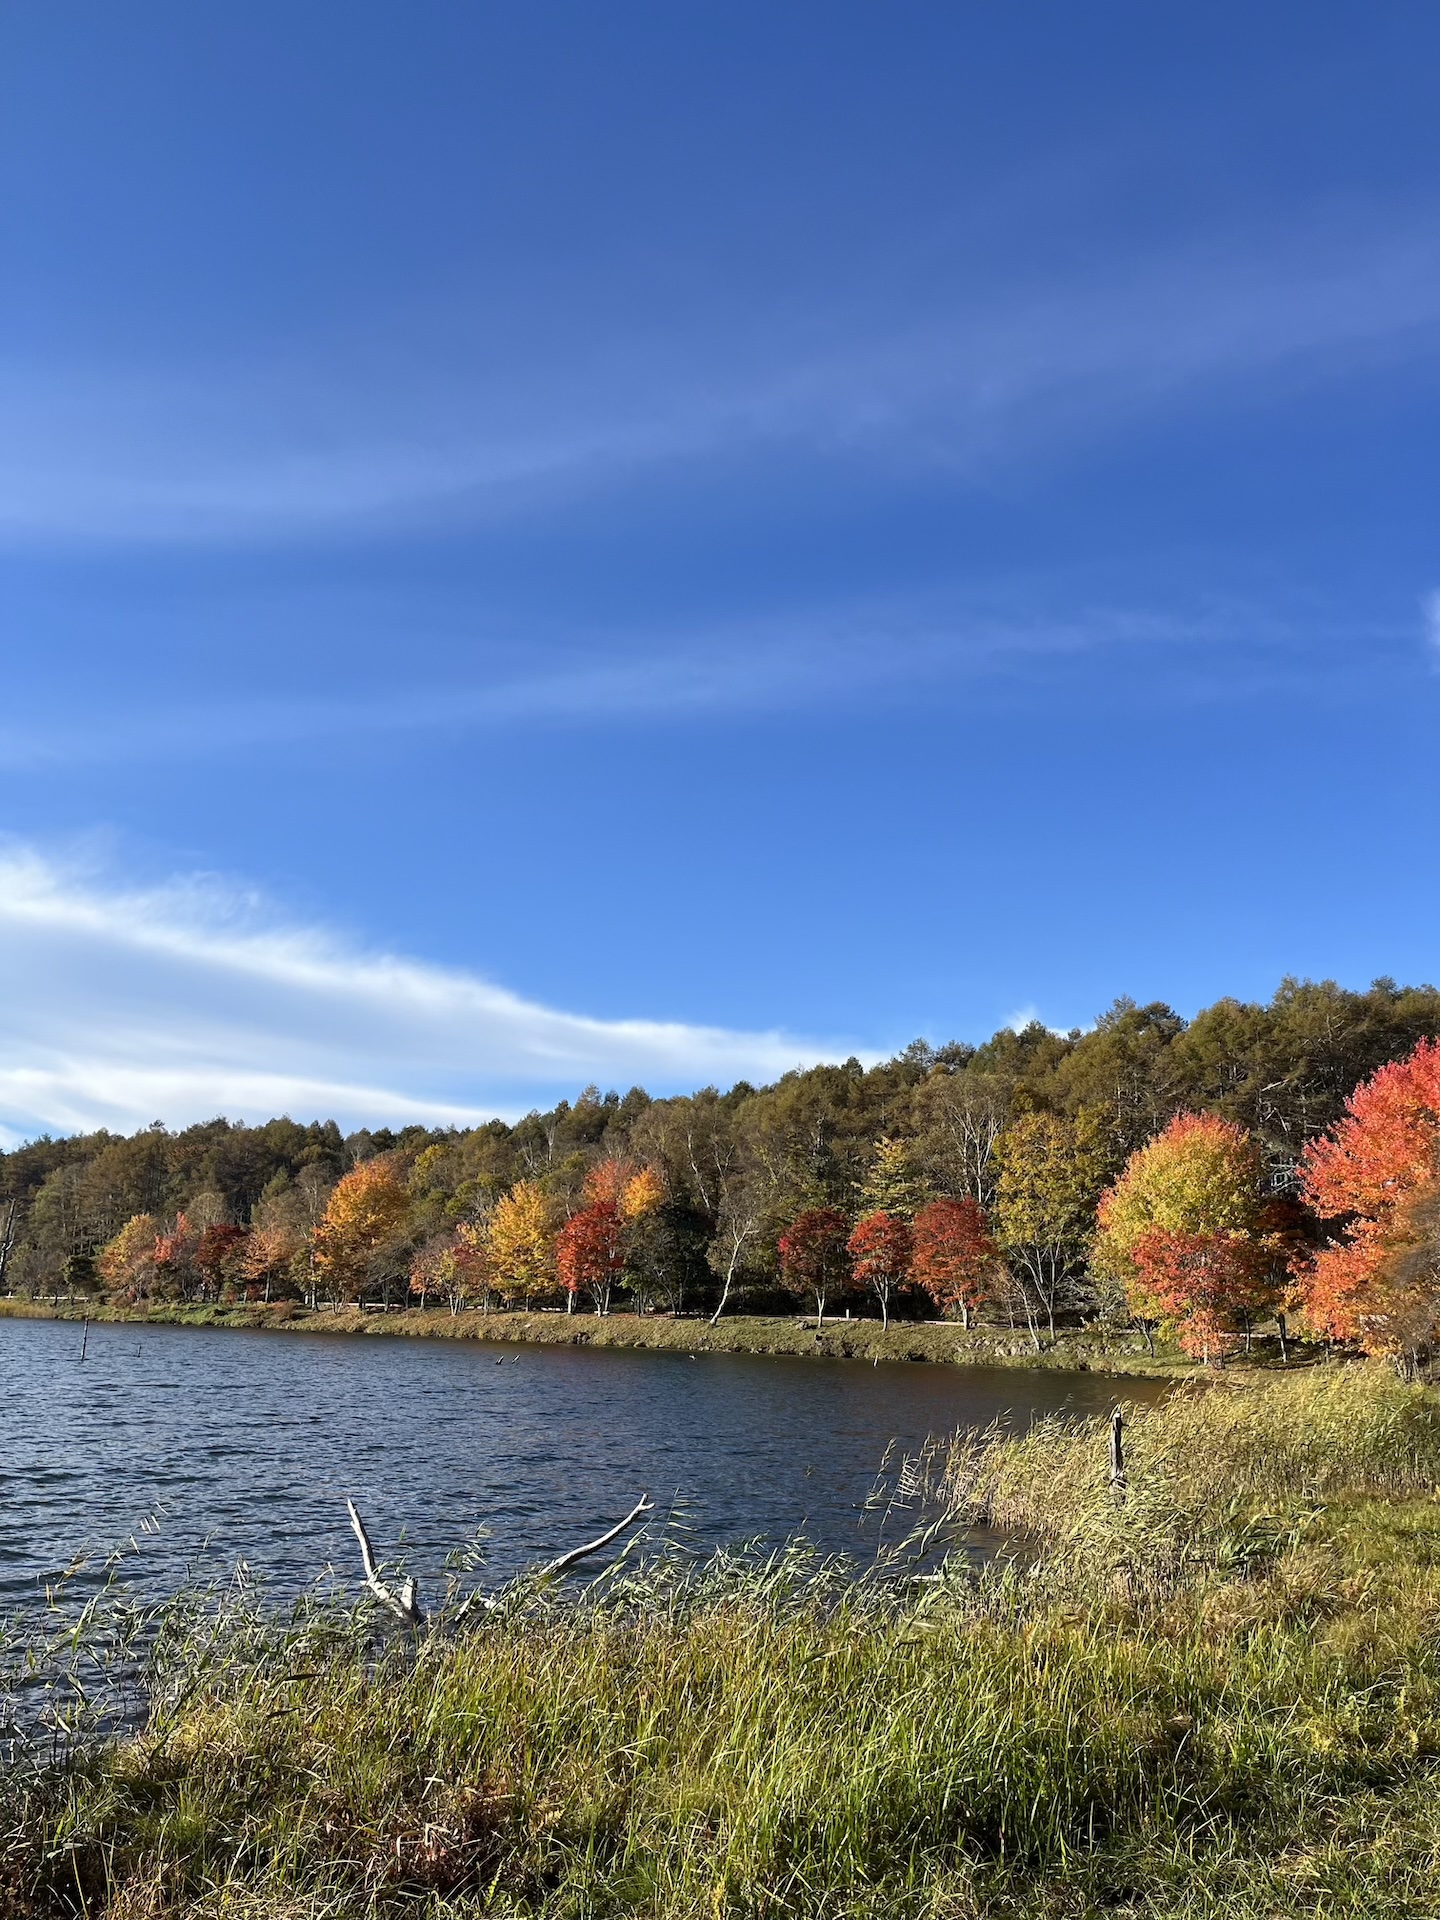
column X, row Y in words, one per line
column 822, row 1186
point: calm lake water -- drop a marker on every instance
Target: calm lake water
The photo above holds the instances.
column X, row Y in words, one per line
column 247, row 1444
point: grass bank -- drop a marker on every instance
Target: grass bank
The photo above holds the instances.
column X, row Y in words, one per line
column 1214, row 1692
column 932, row 1341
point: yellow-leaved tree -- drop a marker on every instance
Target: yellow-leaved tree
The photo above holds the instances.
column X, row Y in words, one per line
column 362, row 1243
column 520, row 1243
column 1051, row 1170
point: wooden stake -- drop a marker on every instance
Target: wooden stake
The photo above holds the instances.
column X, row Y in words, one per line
column 1117, row 1450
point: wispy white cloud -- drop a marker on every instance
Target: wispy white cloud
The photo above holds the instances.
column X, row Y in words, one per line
column 819, row 656
column 241, row 453
column 1432, row 624
column 121, row 1005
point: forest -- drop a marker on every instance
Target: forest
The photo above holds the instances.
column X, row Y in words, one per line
column 1257, row 1162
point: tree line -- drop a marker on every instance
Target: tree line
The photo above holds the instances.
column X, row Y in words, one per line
column 1170, row 1172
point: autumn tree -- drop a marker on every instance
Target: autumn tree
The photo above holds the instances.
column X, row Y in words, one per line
column 880, row 1247
column 1408, row 1277
column 815, row 1256
column 607, row 1179
column 267, row 1260
column 1201, row 1283
column 590, row 1252
column 176, row 1277
column 470, row 1275
column 1365, row 1175
column 1051, row 1169
column 220, row 1256
column 1182, row 1233
column 281, row 1253
column 455, row 1267
column 641, row 1194
column 126, row 1263
column 955, row 1260
column 362, row 1241
column 521, row 1243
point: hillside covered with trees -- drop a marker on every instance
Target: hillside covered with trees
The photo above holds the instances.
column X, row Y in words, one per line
column 1199, row 1175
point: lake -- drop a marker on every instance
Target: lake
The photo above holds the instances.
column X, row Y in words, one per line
column 247, row 1444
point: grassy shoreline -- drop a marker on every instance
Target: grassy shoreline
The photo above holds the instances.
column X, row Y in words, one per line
column 933, row 1342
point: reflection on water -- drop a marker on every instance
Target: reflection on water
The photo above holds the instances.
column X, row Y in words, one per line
column 249, row 1443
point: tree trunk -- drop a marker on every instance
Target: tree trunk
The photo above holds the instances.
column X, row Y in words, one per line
column 1031, row 1319
column 1280, row 1328
column 7, row 1237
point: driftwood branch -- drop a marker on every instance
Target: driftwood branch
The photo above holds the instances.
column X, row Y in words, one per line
column 643, row 1505
column 405, row 1605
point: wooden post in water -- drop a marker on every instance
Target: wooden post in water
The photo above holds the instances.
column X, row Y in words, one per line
column 85, row 1337
column 1117, row 1452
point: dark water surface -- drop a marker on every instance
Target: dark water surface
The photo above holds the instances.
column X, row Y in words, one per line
column 251, row 1441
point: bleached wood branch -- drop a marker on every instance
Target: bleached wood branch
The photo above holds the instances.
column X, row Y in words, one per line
column 405, row 1605
column 643, row 1505
column 490, row 1602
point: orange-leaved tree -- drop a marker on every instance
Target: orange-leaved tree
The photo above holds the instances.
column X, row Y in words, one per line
column 954, row 1260
column 643, row 1193
column 268, row 1256
column 1366, row 1174
column 815, row 1257
column 634, row 1190
column 1183, row 1232
column 360, row 1242
column 127, row 1263
column 175, row 1247
column 880, row 1246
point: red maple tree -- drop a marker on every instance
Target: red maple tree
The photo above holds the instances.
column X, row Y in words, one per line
column 954, row 1258
column 590, row 1252
column 814, row 1259
column 1365, row 1173
column 880, row 1247
column 1203, row 1282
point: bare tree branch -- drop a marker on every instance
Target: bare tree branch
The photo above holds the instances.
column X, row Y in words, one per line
column 643, row 1505
column 406, row 1604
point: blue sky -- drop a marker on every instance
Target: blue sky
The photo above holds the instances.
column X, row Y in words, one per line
column 646, row 543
